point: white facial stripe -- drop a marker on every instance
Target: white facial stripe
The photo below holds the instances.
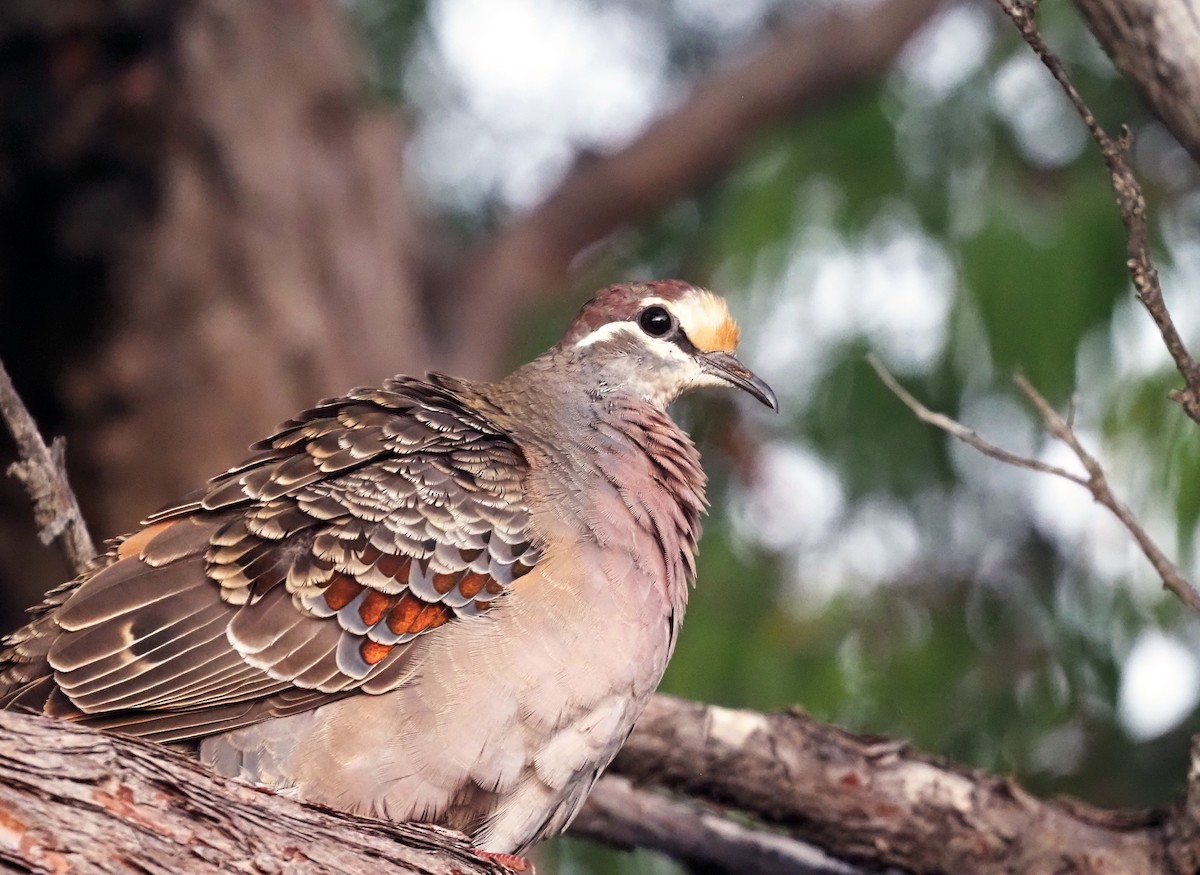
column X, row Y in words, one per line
column 703, row 317
column 605, row 332
column 610, row 330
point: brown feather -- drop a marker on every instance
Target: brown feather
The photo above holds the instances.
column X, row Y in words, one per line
column 198, row 622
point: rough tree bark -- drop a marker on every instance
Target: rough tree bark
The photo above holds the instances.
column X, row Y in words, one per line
column 77, row 801
column 878, row 802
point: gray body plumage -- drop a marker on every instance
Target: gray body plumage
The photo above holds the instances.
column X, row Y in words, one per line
column 436, row 600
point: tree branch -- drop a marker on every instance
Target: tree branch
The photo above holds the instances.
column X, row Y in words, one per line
column 80, row 801
column 1153, row 43
column 1132, row 205
column 618, row 813
column 74, row 800
column 42, row 471
column 1096, row 482
column 964, row 434
column 878, row 801
column 804, row 65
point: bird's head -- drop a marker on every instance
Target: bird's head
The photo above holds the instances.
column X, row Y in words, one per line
column 659, row 340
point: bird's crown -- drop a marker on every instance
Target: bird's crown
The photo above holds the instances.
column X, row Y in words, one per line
column 659, row 339
column 700, row 316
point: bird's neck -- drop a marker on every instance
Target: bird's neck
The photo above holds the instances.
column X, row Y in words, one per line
column 597, row 454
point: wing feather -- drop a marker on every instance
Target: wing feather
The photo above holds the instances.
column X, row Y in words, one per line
column 300, row 576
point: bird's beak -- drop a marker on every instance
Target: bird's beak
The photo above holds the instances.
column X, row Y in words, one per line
column 726, row 367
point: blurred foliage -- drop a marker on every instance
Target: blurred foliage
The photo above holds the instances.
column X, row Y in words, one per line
column 1007, row 655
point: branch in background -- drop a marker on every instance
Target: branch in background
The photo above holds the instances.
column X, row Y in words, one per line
column 1132, row 205
column 1153, row 43
column 805, row 64
column 42, row 471
column 964, row 434
column 870, row 799
column 1096, row 482
column 618, row 813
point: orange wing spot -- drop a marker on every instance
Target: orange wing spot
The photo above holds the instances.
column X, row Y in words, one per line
column 481, row 605
column 443, row 583
column 341, row 591
column 520, row 569
column 372, row 651
column 375, row 606
column 473, row 584
column 494, row 587
column 135, row 543
column 393, row 566
column 401, row 617
column 431, row 617
column 370, row 554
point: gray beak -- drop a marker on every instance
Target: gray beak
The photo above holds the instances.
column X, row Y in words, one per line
column 729, row 369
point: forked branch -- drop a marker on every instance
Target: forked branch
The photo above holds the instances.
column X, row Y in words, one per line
column 1096, row 482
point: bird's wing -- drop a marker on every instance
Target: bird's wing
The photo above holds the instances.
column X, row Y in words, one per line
column 300, row 575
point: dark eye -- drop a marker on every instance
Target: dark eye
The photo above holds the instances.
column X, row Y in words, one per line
column 655, row 321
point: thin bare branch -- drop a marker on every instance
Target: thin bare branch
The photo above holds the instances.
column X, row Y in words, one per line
column 1097, row 484
column 1132, row 205
column 964, row 434
column 42, row 471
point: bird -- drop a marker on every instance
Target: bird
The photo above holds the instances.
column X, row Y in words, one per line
column 434, row 600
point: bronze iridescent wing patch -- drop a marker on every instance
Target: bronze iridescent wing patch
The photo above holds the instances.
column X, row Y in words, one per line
column 364, row 524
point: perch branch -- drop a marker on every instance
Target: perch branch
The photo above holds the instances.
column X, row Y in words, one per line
column 1132, row 205
column 74, row 800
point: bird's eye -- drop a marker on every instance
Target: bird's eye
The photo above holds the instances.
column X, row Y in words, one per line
column 655, row 321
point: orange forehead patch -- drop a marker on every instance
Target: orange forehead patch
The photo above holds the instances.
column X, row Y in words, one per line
column 706, row 321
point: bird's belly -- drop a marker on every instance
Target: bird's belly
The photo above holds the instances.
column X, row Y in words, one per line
column 500, row 733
